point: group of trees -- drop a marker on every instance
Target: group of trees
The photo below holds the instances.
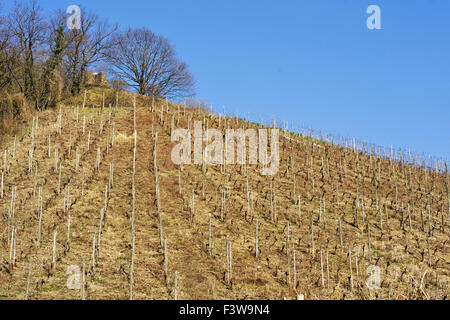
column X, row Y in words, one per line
column 43, row 59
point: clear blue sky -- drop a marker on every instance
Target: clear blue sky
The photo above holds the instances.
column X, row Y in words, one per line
column 314, row 62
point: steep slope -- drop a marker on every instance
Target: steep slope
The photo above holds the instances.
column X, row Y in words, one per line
column 389, row 213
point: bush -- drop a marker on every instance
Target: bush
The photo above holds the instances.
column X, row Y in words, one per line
column 13, row 108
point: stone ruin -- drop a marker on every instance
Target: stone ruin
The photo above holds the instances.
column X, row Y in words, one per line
column 96, row 79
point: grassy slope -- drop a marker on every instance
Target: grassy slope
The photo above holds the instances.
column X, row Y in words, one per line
column 401, row 253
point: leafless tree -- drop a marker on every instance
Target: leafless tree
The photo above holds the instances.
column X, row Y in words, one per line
column 5, row 55
column 87, row 46
column 147, row 62
column 28, row 30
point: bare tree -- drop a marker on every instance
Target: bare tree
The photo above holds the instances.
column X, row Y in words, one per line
column 147, row 62
column 28, row 31
column 6, row 53
column 87, row 46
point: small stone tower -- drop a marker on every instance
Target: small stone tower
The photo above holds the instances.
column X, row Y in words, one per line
column 97, row 79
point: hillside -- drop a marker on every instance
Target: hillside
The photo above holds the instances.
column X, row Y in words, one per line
column 325, row 202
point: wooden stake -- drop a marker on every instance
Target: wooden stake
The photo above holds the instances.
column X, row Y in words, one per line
column 256, row 240
column 350, row 265
column 299, row 210
column 35, row 180
column 2, row 186
column 321, row 269
column 98, row 159
column 230, row 264
column 134, row 112
column 30, row 265
column 68, row 232
column 192, row 206
column 100, row 231
column 93, row 255
column 82, row 183
column 166, row 261
column 328, row 272
column 295, row 269
column 287, row 238
column 106, row 197
column 83, row 280
column 210, row 237
column 54, row 251
column 12, row 250
column 40, row 217
column 59, row 180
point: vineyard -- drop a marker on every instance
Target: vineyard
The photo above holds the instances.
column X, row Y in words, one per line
column 92, row 207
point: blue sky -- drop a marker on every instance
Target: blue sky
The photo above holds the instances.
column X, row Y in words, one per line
column 314, row 62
